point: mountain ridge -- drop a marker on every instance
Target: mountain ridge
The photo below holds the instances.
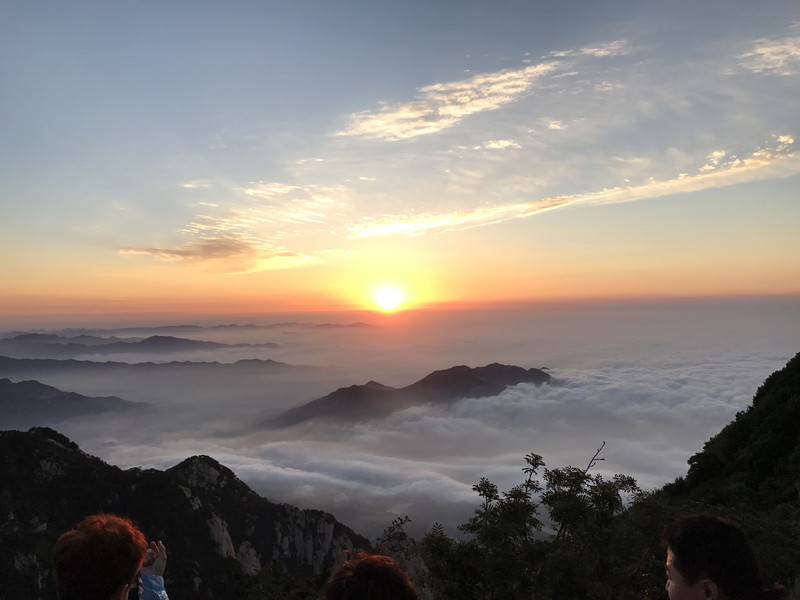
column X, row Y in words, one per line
column 217, row 528
column 41, row 345
column 375, row 400
column 29, row 403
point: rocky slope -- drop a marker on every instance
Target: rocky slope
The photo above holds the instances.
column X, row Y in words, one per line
column 218, row 531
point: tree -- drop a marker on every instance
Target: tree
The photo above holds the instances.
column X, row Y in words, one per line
column 507, row 555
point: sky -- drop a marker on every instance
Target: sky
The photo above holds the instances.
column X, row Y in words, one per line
column 204, row 157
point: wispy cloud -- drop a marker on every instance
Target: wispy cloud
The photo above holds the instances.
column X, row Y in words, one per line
column 203, row 250
column 237, row 254
column 497, row 145
column 442, row 105
column 778, row 56
column 197, row 184
column 613, row 48
column 260, row 231
column 780, row 160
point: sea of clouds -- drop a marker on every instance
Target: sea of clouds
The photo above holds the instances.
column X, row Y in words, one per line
column 652, row 381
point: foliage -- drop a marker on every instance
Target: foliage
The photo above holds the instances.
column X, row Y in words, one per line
column 271, row 583
column 507, row 556
column 581, row 535
column 396, row 527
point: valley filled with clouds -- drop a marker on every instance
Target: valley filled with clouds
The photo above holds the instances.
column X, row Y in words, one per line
column 651, row 380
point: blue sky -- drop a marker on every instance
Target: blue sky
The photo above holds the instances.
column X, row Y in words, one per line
column 458, row 150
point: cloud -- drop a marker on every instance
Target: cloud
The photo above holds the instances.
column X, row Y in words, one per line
column 261, row 231
column 269, row 189
column 569, row 143
column 238, row 254
column 713, row 160
column 197, row 184
column 780, row 160
column 613, row 48
column 652, row 418
column 497, row 145
column 424, row 460
column 652, row 381
column 208, row 249
column 779, row 56
column 442, row 105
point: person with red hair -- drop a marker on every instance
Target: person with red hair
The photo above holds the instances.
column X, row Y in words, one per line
column 100, row 558
column 370, row 577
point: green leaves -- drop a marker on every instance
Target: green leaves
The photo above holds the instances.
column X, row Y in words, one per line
column 508, row 557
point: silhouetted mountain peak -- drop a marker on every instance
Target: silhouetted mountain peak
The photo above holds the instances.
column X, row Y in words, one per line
column 453, row 383
column 51, row 435
column 31, row 403
column 204, row 471
column 511, row 374
column 217, row 528
column 374, row 385
column 355, row 392
column 375, row 400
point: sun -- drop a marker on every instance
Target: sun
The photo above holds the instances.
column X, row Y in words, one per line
column 388, row 298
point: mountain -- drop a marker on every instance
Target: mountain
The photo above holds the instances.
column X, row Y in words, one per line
column 29, row 403
column 753, row 461
column 219, row 533
column 603, row 538
column 253, row 379
column 41, row 345
column 374, row 400
column 748, row 472
column 43, row 366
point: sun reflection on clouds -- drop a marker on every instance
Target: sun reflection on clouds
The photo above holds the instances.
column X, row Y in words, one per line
column 777, row 161
column 283, row 225
column 570, row 129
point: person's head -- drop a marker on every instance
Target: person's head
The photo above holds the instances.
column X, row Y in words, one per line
column 98, row 558
column 709, row 559
column 370, row 577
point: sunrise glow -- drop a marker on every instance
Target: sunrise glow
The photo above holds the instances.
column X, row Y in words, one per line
column 524, row 166
column 368, row 258
column 388, row 298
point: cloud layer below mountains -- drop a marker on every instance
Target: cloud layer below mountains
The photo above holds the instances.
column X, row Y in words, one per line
column 653, row 382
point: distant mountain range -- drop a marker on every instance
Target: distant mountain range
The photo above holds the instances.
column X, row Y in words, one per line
column 43, row 345
column 174, row 380
column 30, row 403
column 374, row 400
column 42, row 366
column 186, row 328
column 218, row 531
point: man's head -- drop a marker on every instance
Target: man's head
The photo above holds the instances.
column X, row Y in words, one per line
column 98, row 558
column 709, row 558
column 370, row 577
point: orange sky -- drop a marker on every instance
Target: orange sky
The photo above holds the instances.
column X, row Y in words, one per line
column 522, row 160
